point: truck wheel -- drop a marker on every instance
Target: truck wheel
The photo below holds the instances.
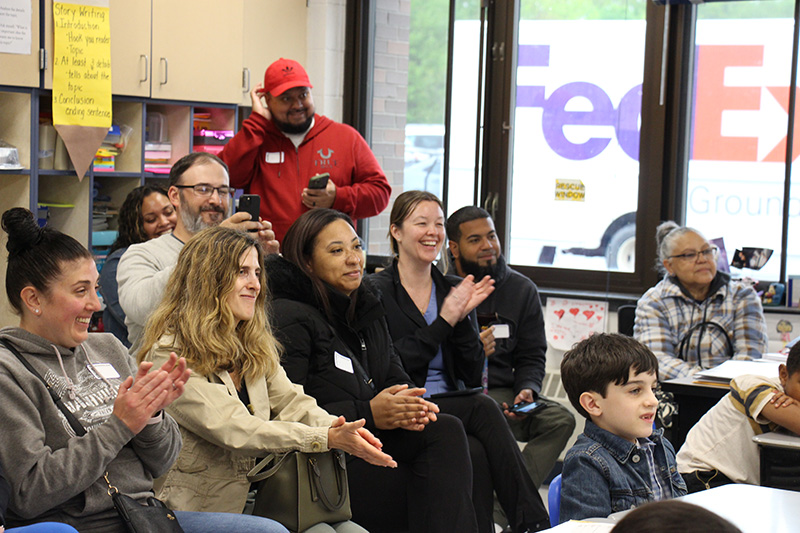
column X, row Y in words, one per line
column 621, row 249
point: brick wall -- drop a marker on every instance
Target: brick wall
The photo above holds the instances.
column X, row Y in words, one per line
column 390, row 90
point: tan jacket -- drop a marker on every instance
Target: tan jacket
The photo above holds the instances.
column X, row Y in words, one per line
column 222, row 439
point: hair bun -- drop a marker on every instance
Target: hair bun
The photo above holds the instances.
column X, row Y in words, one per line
column 23, row 231
column 664, row 229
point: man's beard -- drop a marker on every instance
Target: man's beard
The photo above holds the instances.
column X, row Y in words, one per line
column 193, row 220
column 478, row 271
column 293, row 129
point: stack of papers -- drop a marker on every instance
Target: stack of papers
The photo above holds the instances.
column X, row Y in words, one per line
column 157, row 156
column 104, row 160
column 728, row 370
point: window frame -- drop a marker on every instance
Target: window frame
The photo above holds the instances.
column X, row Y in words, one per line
column 665, row 124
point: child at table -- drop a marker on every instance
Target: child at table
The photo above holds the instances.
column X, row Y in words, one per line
column 719, row 449
column 619, row 461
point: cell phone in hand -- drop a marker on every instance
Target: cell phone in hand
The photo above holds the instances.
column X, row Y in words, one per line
column 320, row 181
column 250, row 203
column 525, row 408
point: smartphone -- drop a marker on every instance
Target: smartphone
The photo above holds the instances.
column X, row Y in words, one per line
column 250, row 203
column 320, row 181
column 525, row 408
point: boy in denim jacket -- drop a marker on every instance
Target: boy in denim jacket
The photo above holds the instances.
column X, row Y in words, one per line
column 619, row 461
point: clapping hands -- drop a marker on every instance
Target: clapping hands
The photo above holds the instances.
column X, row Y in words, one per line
column 465, row 297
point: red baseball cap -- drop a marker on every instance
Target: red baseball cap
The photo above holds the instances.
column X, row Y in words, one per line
column 284, row 74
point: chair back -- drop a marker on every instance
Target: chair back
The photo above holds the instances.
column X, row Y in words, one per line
column 626, row 315
column 554, row 500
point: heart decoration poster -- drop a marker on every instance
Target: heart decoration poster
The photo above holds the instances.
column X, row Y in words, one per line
column 569, row 321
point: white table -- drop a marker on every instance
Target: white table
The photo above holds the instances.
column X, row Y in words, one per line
column 751, row 508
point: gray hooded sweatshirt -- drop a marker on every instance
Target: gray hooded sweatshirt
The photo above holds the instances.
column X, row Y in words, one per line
column 54, row 474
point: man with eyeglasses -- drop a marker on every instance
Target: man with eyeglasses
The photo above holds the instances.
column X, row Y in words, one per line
column 283, row 144
column 200, row 191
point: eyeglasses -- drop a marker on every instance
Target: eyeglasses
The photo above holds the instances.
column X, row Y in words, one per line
column 692, row 256
column 204, row 191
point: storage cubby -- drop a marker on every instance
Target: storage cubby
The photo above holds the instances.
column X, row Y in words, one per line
column 15, row 126
column 15, row 191
column 130, row 114
column 179, row 127
column 70, row 204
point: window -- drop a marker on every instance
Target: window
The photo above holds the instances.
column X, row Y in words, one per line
column 581, row 125
column 737, row 165
column 575, row 171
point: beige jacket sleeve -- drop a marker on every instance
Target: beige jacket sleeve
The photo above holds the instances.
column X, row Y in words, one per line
column 283, row 417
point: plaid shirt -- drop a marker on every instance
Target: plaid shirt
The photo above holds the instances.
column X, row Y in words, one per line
column 664, row 314
column 660, row 490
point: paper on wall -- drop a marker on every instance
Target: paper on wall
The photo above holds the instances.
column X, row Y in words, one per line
column 569, row 321
column 15, row 27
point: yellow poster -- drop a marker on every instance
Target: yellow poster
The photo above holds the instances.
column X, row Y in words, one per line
column 81, row 65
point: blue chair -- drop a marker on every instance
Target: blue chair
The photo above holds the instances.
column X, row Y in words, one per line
column 554, row 500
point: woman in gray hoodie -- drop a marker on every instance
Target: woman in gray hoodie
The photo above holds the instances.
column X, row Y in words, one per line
column 55, row 474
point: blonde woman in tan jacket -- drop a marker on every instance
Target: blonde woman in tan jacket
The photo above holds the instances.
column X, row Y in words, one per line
column 238, row 404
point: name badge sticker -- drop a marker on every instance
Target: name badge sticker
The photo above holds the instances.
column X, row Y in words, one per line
column 103, row 370
column 343, row 362
column 501, row 331
column 273, row 158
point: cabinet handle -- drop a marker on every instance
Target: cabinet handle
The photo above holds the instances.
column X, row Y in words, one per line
column 146, row 68
column 166, row 71
column 245, row 80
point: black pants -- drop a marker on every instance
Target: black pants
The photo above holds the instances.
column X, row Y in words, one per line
column 497, row 465
column 696, row 481
column 429, row 491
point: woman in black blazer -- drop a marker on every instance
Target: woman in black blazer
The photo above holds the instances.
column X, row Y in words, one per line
column 434, row 330
column 337, row 346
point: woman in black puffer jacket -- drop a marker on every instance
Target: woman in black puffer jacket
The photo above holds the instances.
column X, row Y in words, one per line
column 336, row 344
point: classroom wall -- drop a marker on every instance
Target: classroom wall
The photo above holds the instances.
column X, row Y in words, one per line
column 325, row 54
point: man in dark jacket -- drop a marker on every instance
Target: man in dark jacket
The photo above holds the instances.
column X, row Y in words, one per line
column 513, row 338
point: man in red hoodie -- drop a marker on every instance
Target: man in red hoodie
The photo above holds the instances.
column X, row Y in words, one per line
column 283, row 144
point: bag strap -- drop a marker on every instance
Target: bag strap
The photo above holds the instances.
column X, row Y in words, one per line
column 73, row 422
column 685, row 341
column 255, row 475
column 341, row 480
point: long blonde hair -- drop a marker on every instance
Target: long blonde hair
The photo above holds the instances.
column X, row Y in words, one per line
column 195, row 311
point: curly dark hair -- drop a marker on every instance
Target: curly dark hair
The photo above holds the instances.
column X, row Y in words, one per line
column 131, row 225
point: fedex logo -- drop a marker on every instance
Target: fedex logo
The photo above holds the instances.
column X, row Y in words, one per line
column 763, row 138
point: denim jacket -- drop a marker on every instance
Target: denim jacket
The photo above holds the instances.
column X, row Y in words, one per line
column 604, row 474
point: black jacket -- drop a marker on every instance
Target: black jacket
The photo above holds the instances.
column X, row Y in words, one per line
column 311, row 342
column 417, row 342
column 518, row 361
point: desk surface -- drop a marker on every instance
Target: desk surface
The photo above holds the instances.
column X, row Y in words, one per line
column 778, row 440
column 751, row 508
column 687, row 385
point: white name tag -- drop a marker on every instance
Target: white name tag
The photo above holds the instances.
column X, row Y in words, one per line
column 342, row 362
column 103, row 370
column 274, row 157
column 501, row 331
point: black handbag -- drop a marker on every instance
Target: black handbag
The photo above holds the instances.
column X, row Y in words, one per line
column 300, row 490
column 155, row 517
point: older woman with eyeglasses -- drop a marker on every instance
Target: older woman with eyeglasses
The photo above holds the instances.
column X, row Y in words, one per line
column 697, row 317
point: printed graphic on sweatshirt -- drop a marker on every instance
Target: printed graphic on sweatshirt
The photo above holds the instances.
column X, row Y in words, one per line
column 92, row 401
column 325, row 159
